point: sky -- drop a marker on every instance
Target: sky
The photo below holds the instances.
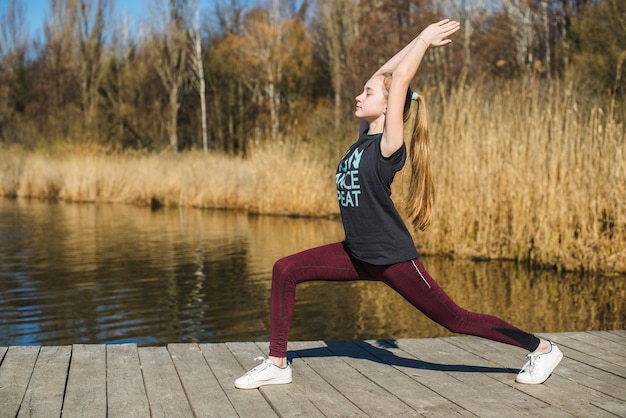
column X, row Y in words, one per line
column 36, row 11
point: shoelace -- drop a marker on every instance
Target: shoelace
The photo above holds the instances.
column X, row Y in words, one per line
column 258, row 368
column 530, row 365
column 532, row 359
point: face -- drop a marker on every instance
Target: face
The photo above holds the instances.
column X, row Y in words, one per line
column 372, row 103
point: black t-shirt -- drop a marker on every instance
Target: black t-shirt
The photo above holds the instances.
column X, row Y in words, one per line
column 374, row 230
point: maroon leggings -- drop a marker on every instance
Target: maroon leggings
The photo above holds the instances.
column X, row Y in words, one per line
column 410, row 279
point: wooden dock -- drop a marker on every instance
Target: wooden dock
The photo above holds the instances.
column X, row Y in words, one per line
column 439, row 377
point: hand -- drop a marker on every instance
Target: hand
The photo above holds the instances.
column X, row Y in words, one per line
column 437, row 34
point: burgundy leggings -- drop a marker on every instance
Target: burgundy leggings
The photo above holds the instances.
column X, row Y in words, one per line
column 410, row 279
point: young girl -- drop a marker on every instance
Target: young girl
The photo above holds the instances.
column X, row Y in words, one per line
column 378, row 245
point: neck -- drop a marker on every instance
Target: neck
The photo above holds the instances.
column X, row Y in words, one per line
column 377, row 125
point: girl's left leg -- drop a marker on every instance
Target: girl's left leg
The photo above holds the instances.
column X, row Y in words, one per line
column 413, row 282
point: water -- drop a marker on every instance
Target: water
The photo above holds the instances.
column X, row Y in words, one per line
column 84, row 273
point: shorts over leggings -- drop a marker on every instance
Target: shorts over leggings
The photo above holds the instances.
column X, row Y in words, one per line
column 333, row 263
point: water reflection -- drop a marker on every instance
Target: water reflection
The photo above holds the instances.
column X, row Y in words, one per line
column 113, row 273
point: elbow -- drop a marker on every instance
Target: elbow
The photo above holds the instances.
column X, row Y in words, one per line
column 402, row 76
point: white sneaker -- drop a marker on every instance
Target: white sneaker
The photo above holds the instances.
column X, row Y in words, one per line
column 539, row 366
column 266, row 373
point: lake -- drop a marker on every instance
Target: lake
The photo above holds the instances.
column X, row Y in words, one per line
column 99, row 273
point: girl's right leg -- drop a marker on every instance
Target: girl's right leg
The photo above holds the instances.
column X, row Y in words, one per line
column 330, row 263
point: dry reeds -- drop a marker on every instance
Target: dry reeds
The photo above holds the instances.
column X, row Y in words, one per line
column 278, row 179
column 527, row 172
column 523, row 171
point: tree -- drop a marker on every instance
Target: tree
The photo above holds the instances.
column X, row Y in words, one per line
column 14, row 81
column 298, row 69
column 495, row 55
column 13, row 32
column 231, row 108
column 598, row 46
column 116, row 88
column 92, row 24
column 198, row 67
column 59, row 46
column 168, row 48
column 338, row 21
column 472, row 14
column 522, row 20
column 264, row 50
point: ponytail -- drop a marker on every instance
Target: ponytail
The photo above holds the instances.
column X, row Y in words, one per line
column 421, row 195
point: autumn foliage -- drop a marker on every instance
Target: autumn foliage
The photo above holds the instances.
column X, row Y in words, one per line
column 274, row 70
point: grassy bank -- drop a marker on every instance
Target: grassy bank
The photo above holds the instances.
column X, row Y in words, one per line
column 279, row 180
column 531, row 172
column 523, row 172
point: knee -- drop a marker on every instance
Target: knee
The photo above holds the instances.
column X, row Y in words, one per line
column 282, row 268
column 453, row 322
column 453, row 326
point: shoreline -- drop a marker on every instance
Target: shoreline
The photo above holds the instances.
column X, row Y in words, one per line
column 475, row 258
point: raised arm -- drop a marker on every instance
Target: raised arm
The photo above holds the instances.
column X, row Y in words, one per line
column 403, row 67
column 393, row 62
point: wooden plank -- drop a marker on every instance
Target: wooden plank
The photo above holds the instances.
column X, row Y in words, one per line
column 435, row 404
column 15, row 373
column 612, row 407
column 165, row 392
column 612, row 336
column 559, row 391
column 619, row 333
column 286, row 400
column 374, row 360
column 226, row 368
column 366, row 394
column 605, row 348
column 85, row 394
column 591, row 372
column 583, row 353
column 44, row 396
column 592, row 377
column 479, row 387
column 329, row 400
column 438, row 369
column 452, row 376
column 206, row 397
column 126, row 392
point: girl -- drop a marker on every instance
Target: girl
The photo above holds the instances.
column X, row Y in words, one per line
column 378, row 245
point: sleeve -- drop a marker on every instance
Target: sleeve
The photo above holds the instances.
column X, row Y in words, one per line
column 395, row 160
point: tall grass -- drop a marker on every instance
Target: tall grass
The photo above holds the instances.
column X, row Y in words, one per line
column 523, row 171
column 530, row 172
column 279, row 179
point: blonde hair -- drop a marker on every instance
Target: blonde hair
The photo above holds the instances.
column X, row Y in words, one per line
column 421, row 195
